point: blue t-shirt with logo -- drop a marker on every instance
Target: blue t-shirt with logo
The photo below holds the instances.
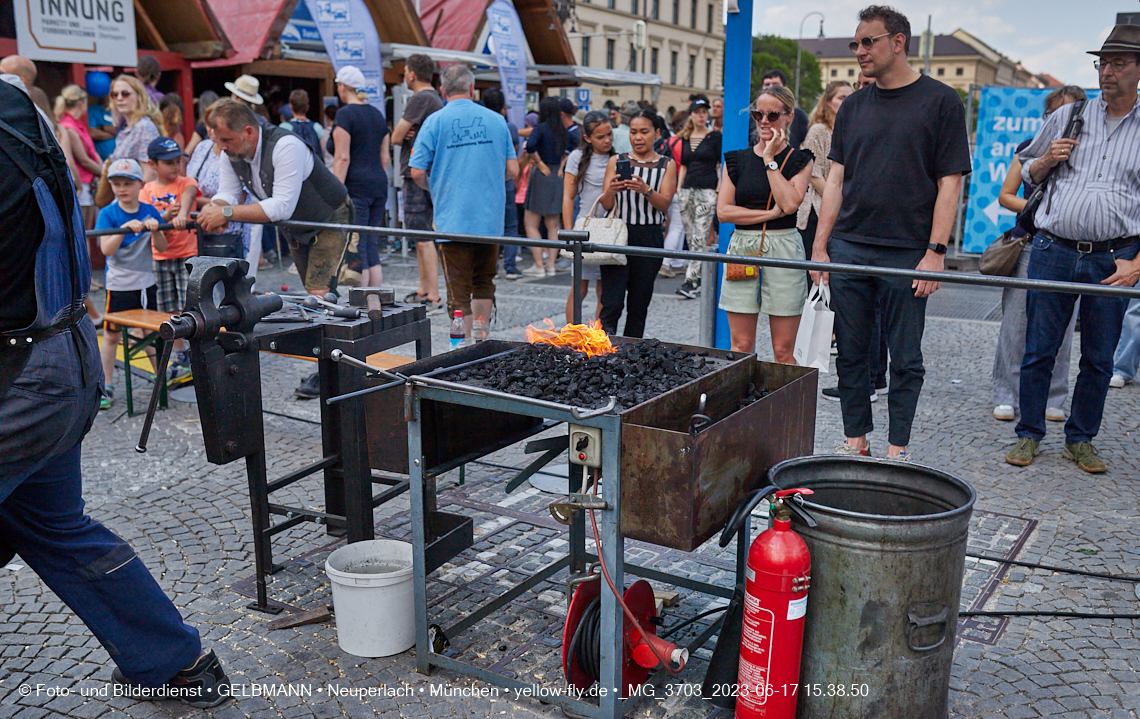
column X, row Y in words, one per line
column 465, row 147
column 131, row 267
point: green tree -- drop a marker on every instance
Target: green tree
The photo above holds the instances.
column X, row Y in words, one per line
column 771, row 52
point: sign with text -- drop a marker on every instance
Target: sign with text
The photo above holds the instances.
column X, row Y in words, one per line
column 1007, row 116
column 509, row 45
column 349, row 36
column 92, row 32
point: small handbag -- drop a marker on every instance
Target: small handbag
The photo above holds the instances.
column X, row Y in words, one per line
column 1000, row 258
column 734, row 272
column 607, row 230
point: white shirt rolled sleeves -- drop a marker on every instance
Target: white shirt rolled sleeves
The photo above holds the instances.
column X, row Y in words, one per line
column 292, row 164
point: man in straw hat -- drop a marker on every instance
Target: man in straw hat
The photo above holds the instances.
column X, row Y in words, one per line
column 246, row 89
column 1088, row 231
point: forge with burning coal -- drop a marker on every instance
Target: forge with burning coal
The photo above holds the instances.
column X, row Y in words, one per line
column 580, row 366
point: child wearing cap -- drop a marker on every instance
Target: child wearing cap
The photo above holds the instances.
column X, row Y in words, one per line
column 130, row 269
column 172, row 194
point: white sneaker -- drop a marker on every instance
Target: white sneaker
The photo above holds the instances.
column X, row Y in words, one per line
column 1004, row 412
column 1055, row 414
column 1117, row 381
column 534, row 271
column 842, row 448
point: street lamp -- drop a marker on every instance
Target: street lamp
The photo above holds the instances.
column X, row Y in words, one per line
column 799, row 46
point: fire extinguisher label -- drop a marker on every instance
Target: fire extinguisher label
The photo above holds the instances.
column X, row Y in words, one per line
column 756, row 651
column 797, row 608
column 750, row 574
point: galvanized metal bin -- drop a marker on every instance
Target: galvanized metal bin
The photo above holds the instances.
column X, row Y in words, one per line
column 679, row 489
column 887, row 565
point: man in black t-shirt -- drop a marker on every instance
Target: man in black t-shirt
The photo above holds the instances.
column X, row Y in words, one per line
column 418, row 214
column 898, row 152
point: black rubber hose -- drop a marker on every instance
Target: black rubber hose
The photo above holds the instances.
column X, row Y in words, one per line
column 678, row 627
column 586, row 644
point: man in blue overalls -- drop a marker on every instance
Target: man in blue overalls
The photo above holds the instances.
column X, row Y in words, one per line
column 50, row 380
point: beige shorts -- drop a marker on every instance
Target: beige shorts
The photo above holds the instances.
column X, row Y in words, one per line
column 778, row 291
column 318, row 261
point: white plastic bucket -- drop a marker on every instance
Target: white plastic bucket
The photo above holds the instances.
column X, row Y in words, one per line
column 372, row 597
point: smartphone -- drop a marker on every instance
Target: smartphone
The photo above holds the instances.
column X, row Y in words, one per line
column 624, row 170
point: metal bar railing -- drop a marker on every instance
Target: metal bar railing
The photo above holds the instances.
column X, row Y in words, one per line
column 578, row 243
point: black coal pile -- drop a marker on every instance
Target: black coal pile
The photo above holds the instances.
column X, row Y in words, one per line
column 754, row 395
column 636, row 372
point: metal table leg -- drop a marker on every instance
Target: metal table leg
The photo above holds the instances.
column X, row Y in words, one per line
column 419, row 530
column 613, row 551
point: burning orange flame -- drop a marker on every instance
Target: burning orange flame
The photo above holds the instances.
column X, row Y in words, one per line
column 590, row 339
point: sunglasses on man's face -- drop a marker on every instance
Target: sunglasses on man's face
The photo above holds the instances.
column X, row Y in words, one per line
column 866, row 42
column 758, row 116
column 122, row 93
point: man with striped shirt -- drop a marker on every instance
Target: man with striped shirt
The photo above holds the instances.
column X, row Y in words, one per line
column 1088, row 231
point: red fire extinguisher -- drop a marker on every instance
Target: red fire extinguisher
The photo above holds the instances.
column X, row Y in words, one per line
column 777, row 576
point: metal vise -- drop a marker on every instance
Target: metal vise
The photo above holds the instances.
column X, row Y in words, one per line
column 224, row 362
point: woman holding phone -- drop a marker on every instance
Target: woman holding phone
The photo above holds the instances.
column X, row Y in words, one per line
column 760, row 193
column 640, row 184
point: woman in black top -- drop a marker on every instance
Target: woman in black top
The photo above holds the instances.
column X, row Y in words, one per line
column 546, row 146
column 760, row 193
column 696, row 187
column 642, row 202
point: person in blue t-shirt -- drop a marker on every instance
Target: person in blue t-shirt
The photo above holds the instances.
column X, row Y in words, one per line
column 464, row 156
column 100, row 124
column 130, row 269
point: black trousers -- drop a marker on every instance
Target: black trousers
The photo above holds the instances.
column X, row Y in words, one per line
column 904, row 318
column 629, row 287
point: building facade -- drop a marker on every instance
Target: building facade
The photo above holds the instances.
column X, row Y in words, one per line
column 684, row 47
column 959, row 60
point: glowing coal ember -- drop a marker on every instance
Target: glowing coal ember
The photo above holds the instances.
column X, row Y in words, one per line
column 590, row 339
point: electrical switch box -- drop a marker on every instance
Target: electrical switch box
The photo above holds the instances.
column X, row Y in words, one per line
column 585, row 446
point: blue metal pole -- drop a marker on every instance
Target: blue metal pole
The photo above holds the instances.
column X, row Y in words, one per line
column 737, row 91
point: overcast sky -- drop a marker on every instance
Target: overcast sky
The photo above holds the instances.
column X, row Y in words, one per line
column 1045, row 35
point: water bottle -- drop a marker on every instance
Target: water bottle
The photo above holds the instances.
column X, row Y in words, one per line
column 458, row 330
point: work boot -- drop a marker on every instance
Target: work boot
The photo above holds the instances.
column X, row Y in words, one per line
column 1084, row 454
column 1023, row 452
column 203, row 684
column 310, row 387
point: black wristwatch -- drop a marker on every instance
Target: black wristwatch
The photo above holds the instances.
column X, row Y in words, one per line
column 937, row 248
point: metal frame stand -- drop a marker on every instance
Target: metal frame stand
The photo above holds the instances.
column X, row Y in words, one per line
column 610, row 686
column 348, row 477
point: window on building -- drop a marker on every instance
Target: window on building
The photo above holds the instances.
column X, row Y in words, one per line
column 585, row 59
column 611, row 4
column 610, row 49
column 834, row 72
column 632, row 59
column 692, row 70
column 673, row 67
column 850, row 72
column 676, row 12
column 710, row 18
column 941, row 71
column 655, row 10
column 693, row 15
column 653, row 60
column 959, row 71
column 708, row 73
column 633, row 7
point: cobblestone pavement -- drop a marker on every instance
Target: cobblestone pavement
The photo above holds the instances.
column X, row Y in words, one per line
column 189, row 522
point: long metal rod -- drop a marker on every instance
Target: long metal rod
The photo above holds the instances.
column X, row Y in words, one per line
column 1074, row 288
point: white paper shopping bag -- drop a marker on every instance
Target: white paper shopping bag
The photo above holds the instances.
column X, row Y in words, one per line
column 813, row 341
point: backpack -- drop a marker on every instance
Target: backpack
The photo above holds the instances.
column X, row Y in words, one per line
column 304, row 130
